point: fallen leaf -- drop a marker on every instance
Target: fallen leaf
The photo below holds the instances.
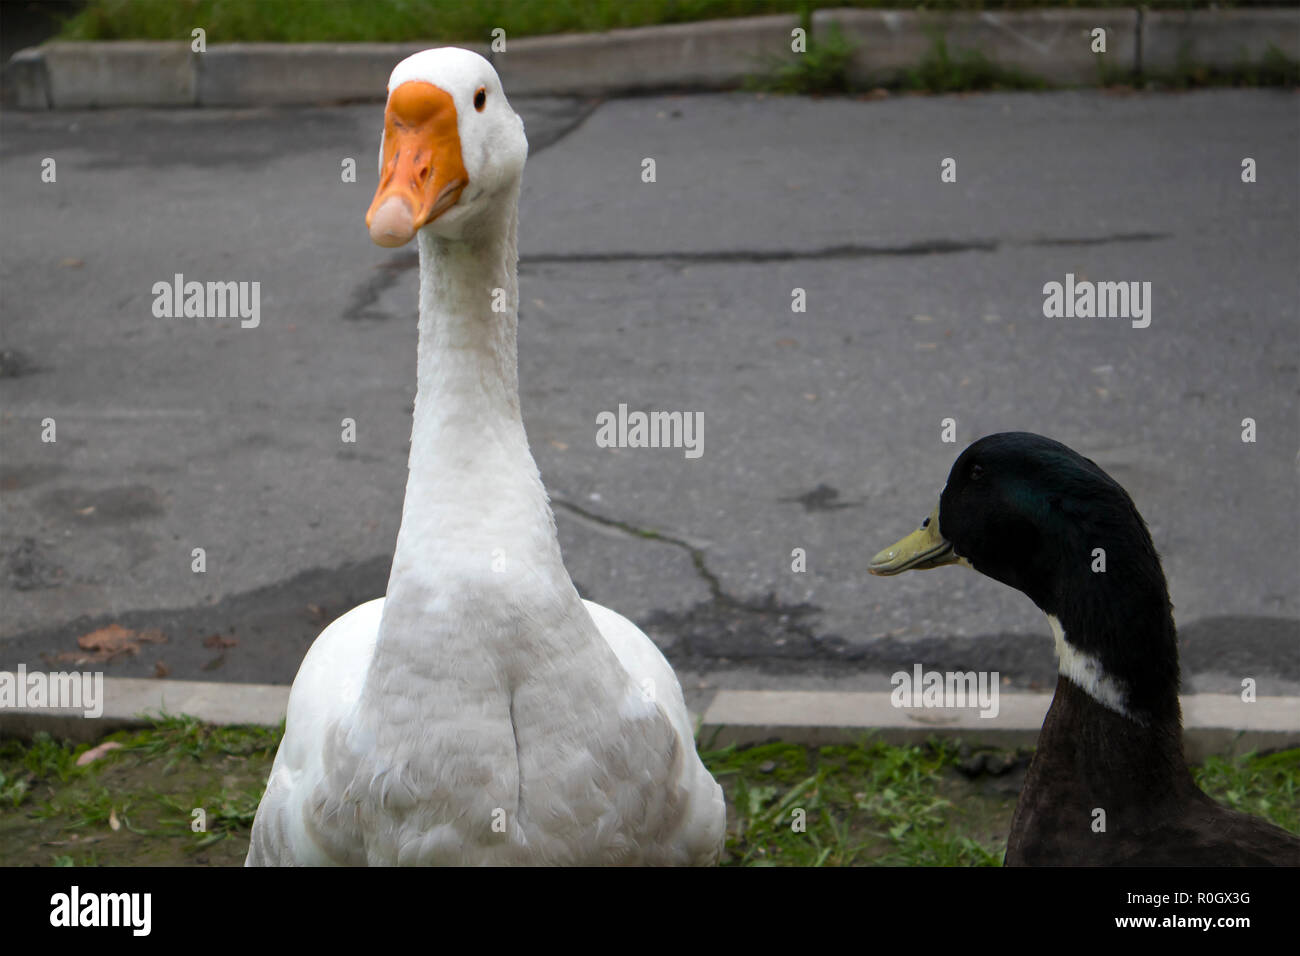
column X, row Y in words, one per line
column 71, row 263
column 316, row 613
column 152, row 635
column 113, row 822
column 106, row 638
column 108, row 643
column 216, row 640
column 160, row 669
column 94, row 753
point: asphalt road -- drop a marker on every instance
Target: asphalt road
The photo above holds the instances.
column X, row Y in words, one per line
column 823, row 428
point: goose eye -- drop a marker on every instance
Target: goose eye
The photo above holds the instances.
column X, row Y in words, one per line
column 480, row 99
column 976, row 472
column 925, row 523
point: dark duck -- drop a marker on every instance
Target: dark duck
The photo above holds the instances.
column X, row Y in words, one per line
column 1031, row 513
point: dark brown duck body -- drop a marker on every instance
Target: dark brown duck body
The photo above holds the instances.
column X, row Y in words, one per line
column 1091, row 759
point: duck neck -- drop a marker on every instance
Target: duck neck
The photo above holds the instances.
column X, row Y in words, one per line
column 1115, row 639
column 1116, row 708
column 474, row 500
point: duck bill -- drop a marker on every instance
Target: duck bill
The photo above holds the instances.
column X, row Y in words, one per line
column 421, row 172
column 923, row 548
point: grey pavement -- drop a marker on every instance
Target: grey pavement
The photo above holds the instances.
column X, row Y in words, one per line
column 822, row 429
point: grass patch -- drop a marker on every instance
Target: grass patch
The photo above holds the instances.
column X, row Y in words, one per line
column 333, row 21
column 790, row 805
column 135, row 805
column 1274, row 68
column 822, row 68
column 1266, row 786
column 944, row 71
column 787, row 805
column 825, row 69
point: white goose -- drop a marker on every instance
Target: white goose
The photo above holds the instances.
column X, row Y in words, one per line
column 482, row 712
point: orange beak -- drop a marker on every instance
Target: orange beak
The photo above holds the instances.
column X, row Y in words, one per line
column 423, row 174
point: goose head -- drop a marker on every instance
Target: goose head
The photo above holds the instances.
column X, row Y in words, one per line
column 452, row 147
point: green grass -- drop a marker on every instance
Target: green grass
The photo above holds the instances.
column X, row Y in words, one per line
column 822, row 68
column 873, row 804
column 134, row 806
column 945, row 71
column 227, row 21
column 1266, row 786
column 825, row 69
column 1274, row 68
column 787, row 805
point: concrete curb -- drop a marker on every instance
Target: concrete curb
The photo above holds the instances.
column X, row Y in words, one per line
column 130, row 701
column 1213, row 723
column 1054, row 45
column 294, row 74
column 708, row 55
column 1215, row 38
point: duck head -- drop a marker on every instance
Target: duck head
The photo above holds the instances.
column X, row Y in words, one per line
column 1032, row 513
column 1024, row 510
column 451, row 146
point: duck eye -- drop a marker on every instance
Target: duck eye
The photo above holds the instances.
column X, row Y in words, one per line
column 976, row 472
column 480, row 99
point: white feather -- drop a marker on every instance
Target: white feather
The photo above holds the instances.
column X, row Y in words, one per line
column 1086, row 673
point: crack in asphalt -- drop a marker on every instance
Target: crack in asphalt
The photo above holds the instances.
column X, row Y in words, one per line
column 706, row 635
column 368, row 293
column 549, row 137
column 696, row 553
column 923, row 247
column 372, row 288
column 778, row 638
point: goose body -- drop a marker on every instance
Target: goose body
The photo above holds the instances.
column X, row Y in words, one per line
column 481, row 712
column 1031, row 512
